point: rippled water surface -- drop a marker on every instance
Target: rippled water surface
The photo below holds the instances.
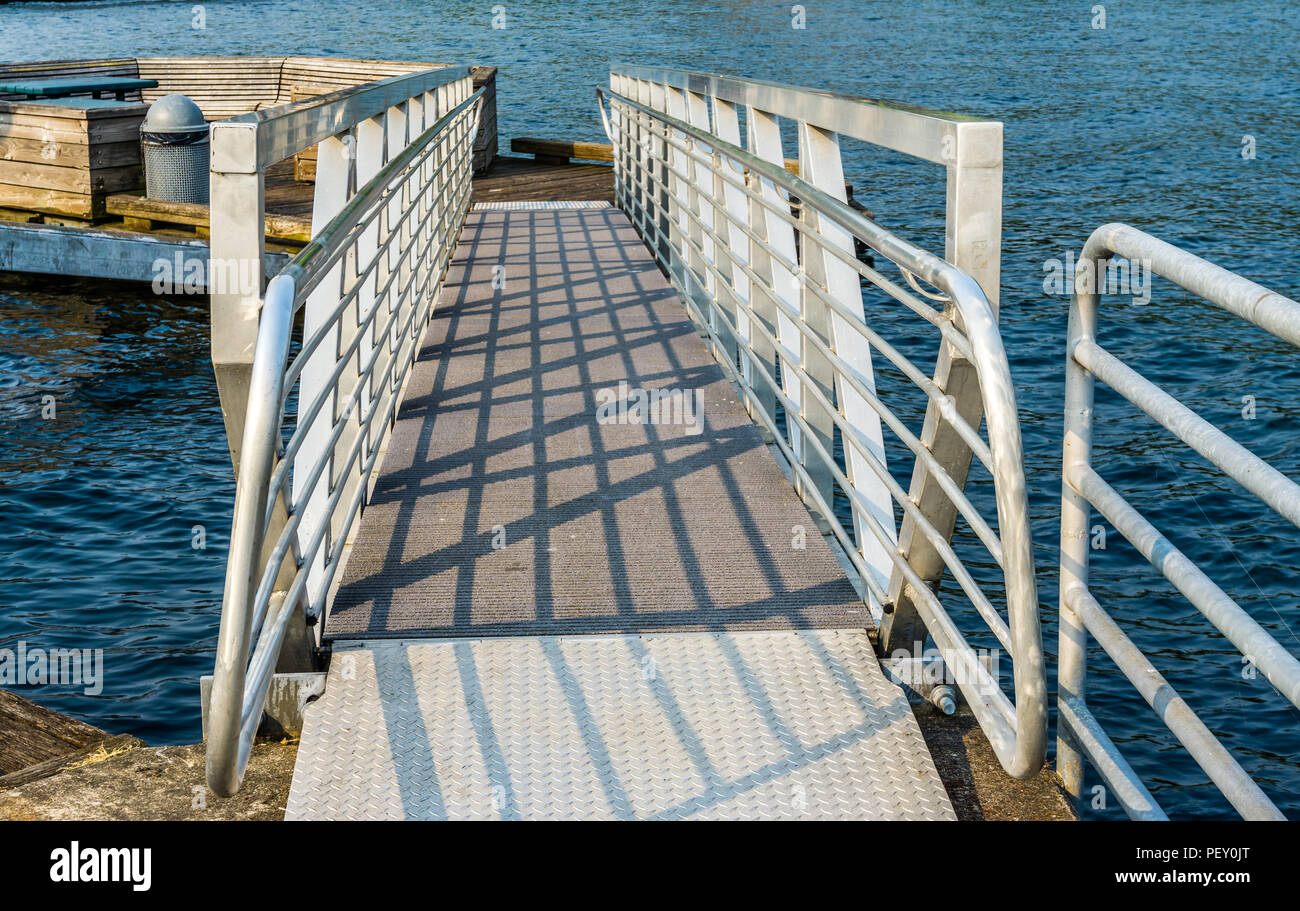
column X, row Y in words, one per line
column 1143, row 122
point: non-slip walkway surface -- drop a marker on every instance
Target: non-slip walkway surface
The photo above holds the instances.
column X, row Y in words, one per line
column 508, row 504
column 552, row 614
column 757, row 725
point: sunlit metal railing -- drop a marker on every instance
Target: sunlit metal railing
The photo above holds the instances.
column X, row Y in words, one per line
column 364, row 287
column 765, row 261
column 1080, row 735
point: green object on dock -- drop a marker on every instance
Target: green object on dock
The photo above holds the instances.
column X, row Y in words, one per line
column 60, row 88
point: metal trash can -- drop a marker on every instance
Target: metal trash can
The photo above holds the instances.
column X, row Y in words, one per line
column 174, row 145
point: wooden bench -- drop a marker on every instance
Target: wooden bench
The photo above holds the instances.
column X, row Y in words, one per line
column 50, row 69
column 221, row 86
column 89, row 104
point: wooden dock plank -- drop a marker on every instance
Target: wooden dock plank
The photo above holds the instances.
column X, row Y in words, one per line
column 562, row 149
column 32, row 734
column 288, row 200
column 285, row 195
column 508, row 179
column 517, row 179
column 145, row 212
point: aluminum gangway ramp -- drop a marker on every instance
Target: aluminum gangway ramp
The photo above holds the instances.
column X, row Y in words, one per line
column 554, row 608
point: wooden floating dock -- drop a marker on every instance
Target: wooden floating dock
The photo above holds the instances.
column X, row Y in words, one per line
column 74, row 163
column 508, row 178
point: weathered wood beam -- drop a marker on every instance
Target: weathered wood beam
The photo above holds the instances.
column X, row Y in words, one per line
column 144, row 209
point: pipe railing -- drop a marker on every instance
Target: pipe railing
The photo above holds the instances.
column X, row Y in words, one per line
column 1080, row 734
column 765, row 261
column 365, row 287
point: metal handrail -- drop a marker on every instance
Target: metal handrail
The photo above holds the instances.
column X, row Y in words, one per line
column 657, row 156
column 1080, row 734
column 389, row 265
column 289, row 128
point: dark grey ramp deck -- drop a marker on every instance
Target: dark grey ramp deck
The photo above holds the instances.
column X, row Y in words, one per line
column 505, row 507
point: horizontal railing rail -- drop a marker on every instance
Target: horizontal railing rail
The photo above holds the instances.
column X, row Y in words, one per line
column 765, row 261
column 364, row 287
column 1080, row 734
column 277, row 132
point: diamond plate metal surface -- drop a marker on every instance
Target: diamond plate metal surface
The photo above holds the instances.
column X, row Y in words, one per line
column 732, row 725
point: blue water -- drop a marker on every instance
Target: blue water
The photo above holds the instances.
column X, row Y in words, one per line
column 1142, row 121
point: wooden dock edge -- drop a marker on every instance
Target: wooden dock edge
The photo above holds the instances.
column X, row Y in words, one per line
column 53, row 767
column 142, row 214
column 94, row 752
column 112, row 254
column 36, row 741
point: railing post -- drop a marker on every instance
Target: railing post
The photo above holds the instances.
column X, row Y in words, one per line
column 636, row 184
column 645, row 156
column 396, row 137
column 237, row 212
column 762, row 305
column 445, row 104
column 616, row 141
column 732, row 293
column 433, row 110
column 429, row 111
column 821, row 165
column 414, row 202
column 700, row 201
column 623, row 124
column 813, row 157
column 659, row 164
column 678, row 195
column 370, row 150
column 1071, row 676
column 333, row 165
column 765, row 140
column 238, row 197
column 973, row 243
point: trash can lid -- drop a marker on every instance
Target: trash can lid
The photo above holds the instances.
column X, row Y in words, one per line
column 174, row 114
